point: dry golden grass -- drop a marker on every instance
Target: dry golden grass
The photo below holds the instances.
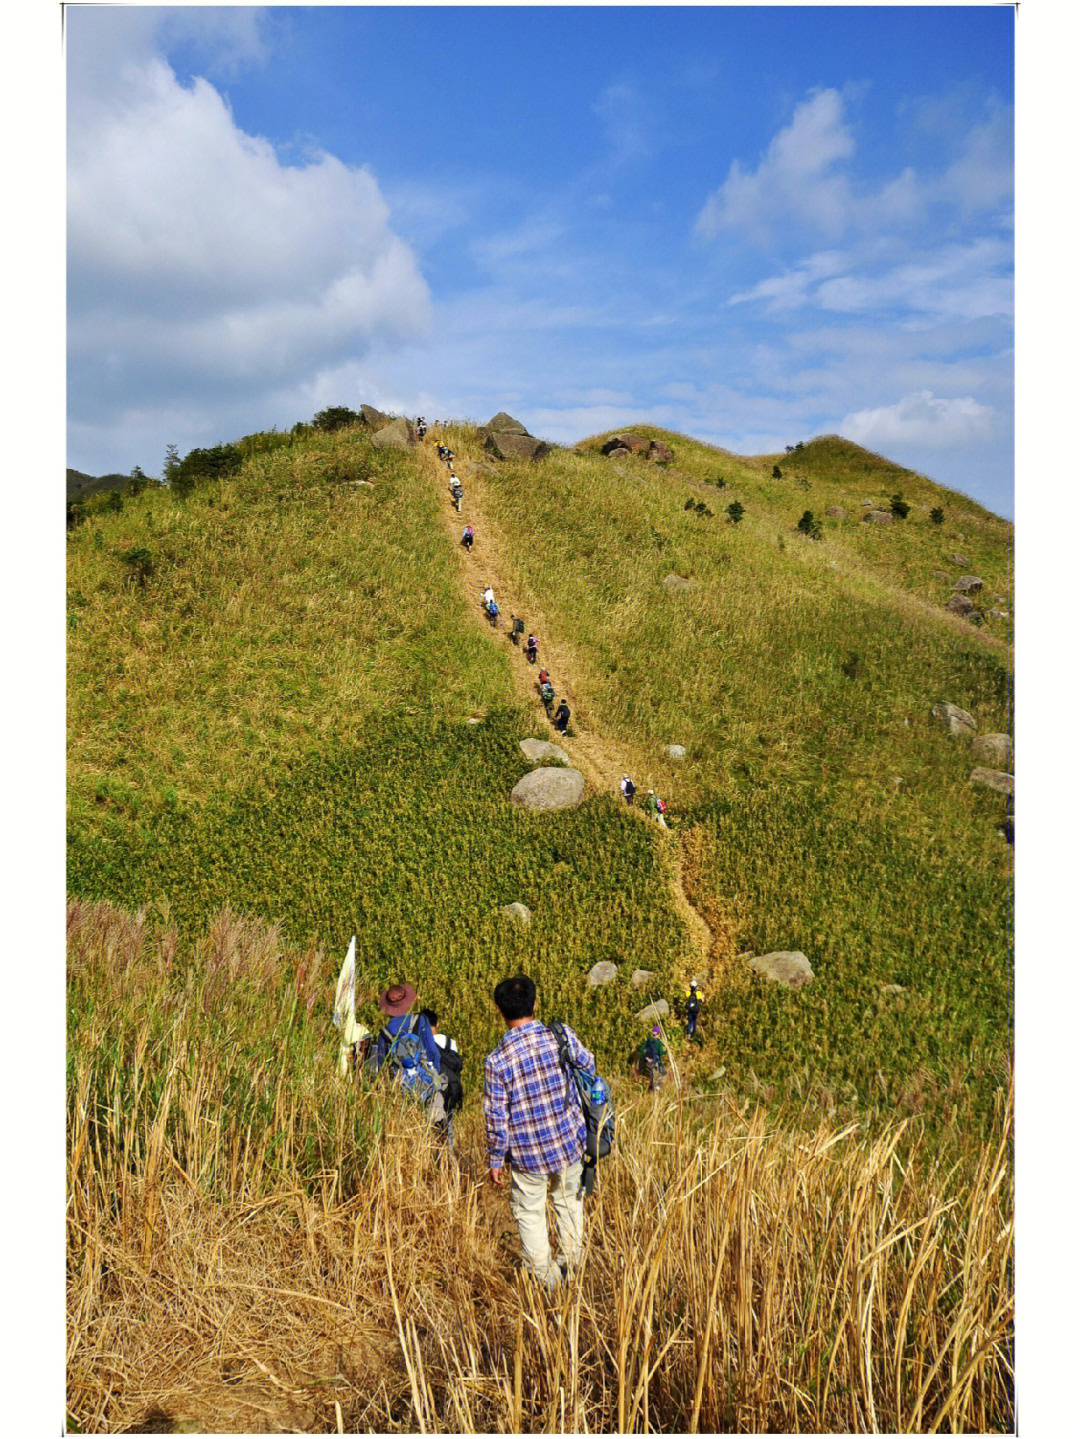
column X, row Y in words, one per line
column 313, row 1262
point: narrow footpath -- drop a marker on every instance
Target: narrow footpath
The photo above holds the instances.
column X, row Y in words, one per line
column 596, row 756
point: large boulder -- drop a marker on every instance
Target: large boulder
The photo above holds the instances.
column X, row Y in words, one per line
column 677, row 582
column 625, row 442
column 518, row 911
column 641, row 977
column 505, row 424
column 968, row 585
column 995, row 749
column 549, row 789
column 659, row 453
column 617, row 454
column 675, row 751
column 784, row 966
column 878, row 517
column 957, row 721
column 538, row 749
column 397, row 435
column 373, row 418
column 994, row 779
column 654, row 1012
column 960, row 605
column 602, row 973
column 513, row 445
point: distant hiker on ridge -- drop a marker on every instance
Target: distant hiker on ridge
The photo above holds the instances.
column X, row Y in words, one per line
column 626, row 785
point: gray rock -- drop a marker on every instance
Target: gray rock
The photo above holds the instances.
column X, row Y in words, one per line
column 675, row 751
column 518, row 911
column 960, row 605
column 995, row 749
column 397, row 435
column 994, row 779
column 942, row 575
column 625, row 442
column 549, row 789
column 878, row 517
column 958, row 560
column 484, row 468
column 660, row 454
column 785, row 966
column 677, row 582
column 513, row 445
column 617, row 453
column 968, row 585
column 892, row 988
column 537, row 749
column 719, row 1073
column 836, row 512
column 375, row 419
column 602, row 973
column 505, row 424
column 998, row 614
column 641, row 977
column 652, row 1012
column 957, row 721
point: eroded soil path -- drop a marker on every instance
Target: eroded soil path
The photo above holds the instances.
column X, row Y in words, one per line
column 596, row 755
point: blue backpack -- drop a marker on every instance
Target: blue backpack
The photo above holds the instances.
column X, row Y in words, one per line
column 411, row 1066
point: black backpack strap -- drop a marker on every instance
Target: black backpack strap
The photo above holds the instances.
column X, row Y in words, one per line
column 565, row 1062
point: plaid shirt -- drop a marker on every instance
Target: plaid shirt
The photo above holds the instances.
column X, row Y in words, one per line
column 529, row 1120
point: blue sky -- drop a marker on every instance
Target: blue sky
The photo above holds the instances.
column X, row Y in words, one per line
column 751, row 225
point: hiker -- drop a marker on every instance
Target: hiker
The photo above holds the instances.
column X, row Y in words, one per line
column 547, row 691
column 467, row 537
column 562, row 716
column 456, row 492
column 488, row 596
column 693, row 1009
column 406, row 1046
column 530, row 649
column 450, row 1060
column 654, row 1054
column 421, row 428
column 536, row 1126
column 657, row 808
column 626, row 785
column 517, row 629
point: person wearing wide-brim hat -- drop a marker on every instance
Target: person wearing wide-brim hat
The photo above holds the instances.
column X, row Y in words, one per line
column 395, row 1002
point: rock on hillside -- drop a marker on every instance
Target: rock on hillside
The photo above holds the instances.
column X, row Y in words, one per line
column 505, row 424
column 677, row 582
column 957, row 721
column 397, row 435
column 660, row 454
column 375, row 419
column 655, row 1011
column 518, row 911
column 537, row 749
column 968, row 585
column 602, row 973
column 510, row 445
column 784, row 966
column 995, row 779
column 878, row 517
column 995, row 749
column 549, row 789
column 625, row 442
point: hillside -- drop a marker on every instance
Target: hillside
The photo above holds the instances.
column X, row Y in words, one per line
column 290, row 722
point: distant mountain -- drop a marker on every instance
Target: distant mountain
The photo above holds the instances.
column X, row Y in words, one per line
column 81, row 487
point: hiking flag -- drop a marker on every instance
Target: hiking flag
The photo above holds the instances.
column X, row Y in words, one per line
column 345, row 996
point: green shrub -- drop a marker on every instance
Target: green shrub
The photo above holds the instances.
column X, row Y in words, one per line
column 776, row 473
column 809, row 526
column 735, row 512
column 937, row 515
column 140, row 564
column 900, row 507
column 200, row 465
column 337, row 417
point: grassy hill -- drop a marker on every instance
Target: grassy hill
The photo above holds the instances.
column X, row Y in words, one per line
column 289, row 723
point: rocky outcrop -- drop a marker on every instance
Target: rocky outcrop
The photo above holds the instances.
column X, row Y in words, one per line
column 836, row 512
column 995, row 749
column 505, row 424
column 784, row 966
column 512, row 445
column 397, row 435
column 878, row 517
column 968, row 585
column 957, row 721
column 625, row 442
column 994, row 779
column 960, row 605
column 641, row 977
column 653, row 1012
column 602, row 973
column 373, row 418
column 659, row 453
column 549, row 789
column 675, row 751
column 538, row 749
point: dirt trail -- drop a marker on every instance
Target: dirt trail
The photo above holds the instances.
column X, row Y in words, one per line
column 595, row 755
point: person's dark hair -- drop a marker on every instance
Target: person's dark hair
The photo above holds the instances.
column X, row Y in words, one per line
column 516, row 998
column 431, row 1017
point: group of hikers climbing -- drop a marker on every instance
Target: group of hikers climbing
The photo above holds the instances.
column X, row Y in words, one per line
column 653, row 805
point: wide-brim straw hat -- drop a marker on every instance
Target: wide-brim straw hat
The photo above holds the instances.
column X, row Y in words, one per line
column 398, row 999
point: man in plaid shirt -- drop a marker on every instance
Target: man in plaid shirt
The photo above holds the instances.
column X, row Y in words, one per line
column 535, row 1122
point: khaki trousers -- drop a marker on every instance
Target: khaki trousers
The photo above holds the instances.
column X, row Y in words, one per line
column 528, row 1205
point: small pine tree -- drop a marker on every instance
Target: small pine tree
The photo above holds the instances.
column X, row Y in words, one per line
column 900, row 507
column 937, row 515
column 719, row 482
column 809, row 526
column 172, row 464
column 735, row 512
column 689, row 505
column 776, row 473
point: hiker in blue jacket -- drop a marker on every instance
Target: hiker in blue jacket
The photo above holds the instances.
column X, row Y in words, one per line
column 395, row 1002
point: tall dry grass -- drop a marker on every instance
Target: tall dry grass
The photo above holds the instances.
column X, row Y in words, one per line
column 254, row 1246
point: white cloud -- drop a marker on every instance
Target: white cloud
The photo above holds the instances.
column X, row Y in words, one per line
column 921, row 419
column 202, row 267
